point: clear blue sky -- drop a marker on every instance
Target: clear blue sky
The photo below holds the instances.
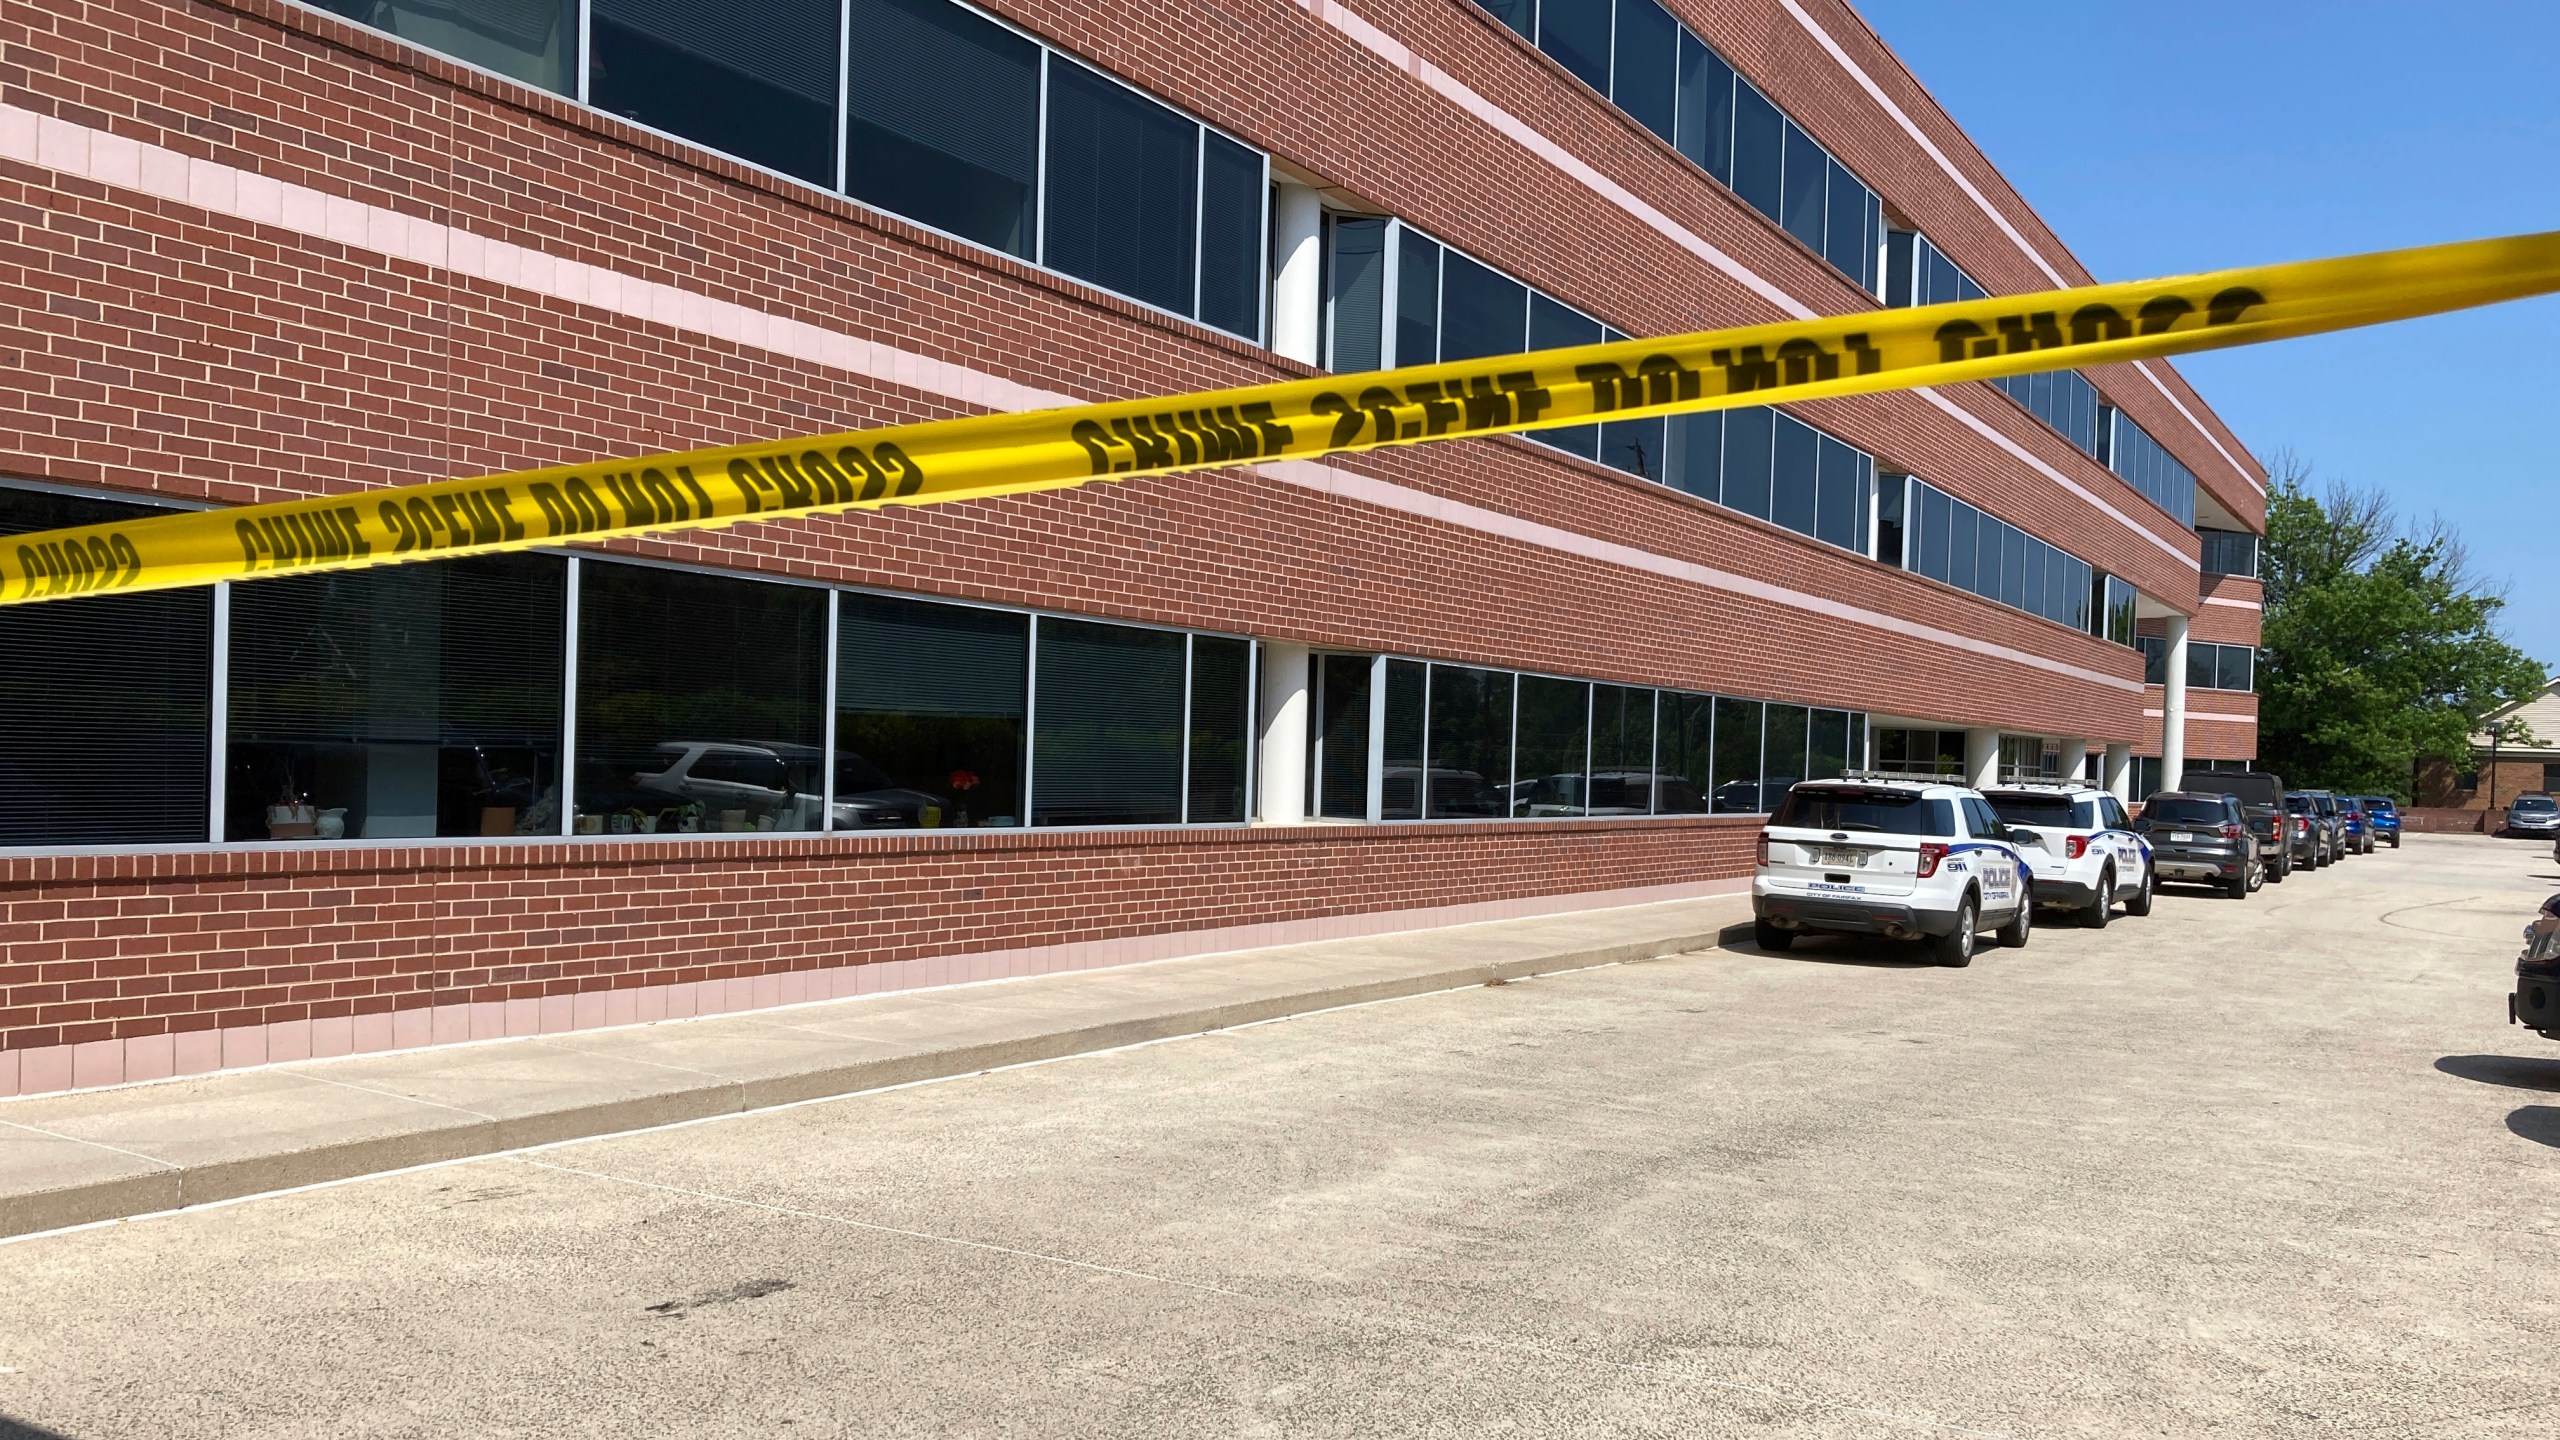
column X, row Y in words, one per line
column 2171, row 136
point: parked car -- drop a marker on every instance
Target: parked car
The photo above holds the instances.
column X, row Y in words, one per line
column 1908, row 859
column 2359, row 834
column 2382, row 816
column 2536, row 1001
column 2310, row 835
column 2324, row 810
column 2203, row 838
column 2285, row 841
column 2533, row 814
column 2085, row 856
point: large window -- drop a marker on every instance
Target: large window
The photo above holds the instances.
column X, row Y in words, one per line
column 926, row 108
column 409, row 701
column 1946, row 539
column 2148, row 466
column 1553, row 747
column 1469, row 743
column 104, row 701
column 1920, row 752
column 929, row 714
column 2230, row 552
column 701, row 702
column 1918, row 273
column 1108, row 726
column 1675, row 84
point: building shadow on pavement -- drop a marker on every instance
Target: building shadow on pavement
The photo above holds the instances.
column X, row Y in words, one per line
column 1837, row 950
column 21, row 1430
column 2509, row 1070
column 2537, row 1123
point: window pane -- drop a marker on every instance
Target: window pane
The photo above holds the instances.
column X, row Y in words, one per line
column 1737, row 757
column 1759, row 148
column 1988, row 554
column 1844, row 229
column 1417, row 300
column 1648, row 47
column 1470, row 741
column 1782, row 760
column 1221, row 727
column 1963, row 548
column 680, row 673
column 1828, row 744
column 1792, row 496
column 1520, row 15
column 1749, row 437
column 104, row 702
column 2199, row 666
column 928, row 714
column 1684, row 763
column 401, row 702
column 1621, row 750
column 2031, row 586
column 1891, row 494
column 2013, row 566
column 1635, row 446
column 1359, row 280
column 1843, row 500
column 944, row 125
column 1553, row 324
column 534, row 41
column 1482, row 311
column 2231, row 667
column 1231, row 193
column 1900, row 255
column 1938, row 279
column 1576, row 33
column 1342, row 733
column 752, row 78
column 1871, row 232
column 1555, row 735
column 1400, row 787
column 1122, row 171
column 1857, row 741
column 1107, row 728
column 1862, row 482
column 1808, row 181
column 1706, row 108
column 1697, row 453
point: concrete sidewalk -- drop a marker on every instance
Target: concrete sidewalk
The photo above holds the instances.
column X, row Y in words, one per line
column 107, row 1154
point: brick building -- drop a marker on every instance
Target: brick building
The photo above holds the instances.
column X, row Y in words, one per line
column 2503, row 765
column 257, row 249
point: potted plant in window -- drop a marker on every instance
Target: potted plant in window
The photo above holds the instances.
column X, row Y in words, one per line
column 962, row 782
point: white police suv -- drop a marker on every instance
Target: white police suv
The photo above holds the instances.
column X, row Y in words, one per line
column 1911, row 857
column 2084, row 853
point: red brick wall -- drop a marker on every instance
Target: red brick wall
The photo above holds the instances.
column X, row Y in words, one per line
column 114, row 947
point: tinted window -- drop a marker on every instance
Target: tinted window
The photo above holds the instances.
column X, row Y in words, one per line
column 1683, row 757
column 1621, row 750
column 944, row 120
column 1400, row 787
column 1342, row 734
column 1706, row 108
column 1737, row 756
column 1520, row 15
column 1576, row 33
column 1107, row 726
column 411, row 700
column 104, row 703
column 1696, row 458
column 2039, row 810
column 1807, row 183
column 2180, row 810
column 1883, row 812
column 1122, row 179
column 1417, row 300
column 1840, row 512
column 668, row 658
column 2535, row 804
column 528, row 40
column 1231, row 193
column 1554, row 747
column 1221, row 728
column 2231, row 667
column 1470, row 741
column 929, row 702
column 1641, row 76
column 1782, row 755
column 1759, row 149
column 1482, row 311
column 1827, row 745
column 1552, row 325
column 753, row 78
column 1358, row 278
column 1793, row 474
column 1750, row 435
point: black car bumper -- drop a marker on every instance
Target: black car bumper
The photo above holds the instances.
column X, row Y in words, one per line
column 1850, row 916
column 2070, row 893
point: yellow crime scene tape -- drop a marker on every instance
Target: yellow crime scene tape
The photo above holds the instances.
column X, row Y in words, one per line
column 1011, row 454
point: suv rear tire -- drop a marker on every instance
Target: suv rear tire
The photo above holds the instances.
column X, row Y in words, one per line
column 2140, row 904
column 2014, row 934
column 2239, row 888
column 2102, row 906
column 1955, row 948
column 1770, row 938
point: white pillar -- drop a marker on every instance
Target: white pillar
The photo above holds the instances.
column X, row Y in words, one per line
column 1982, row 758
column 2119, row 776
column 1297, row 284
column 2173, row 708
column 1282, row 764
column 2075, row 758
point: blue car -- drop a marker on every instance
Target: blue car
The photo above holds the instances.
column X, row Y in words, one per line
column 2359, row 829
column 2382, row 818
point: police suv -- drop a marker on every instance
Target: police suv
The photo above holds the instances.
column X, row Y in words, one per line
column 1910, row 857
column 2084, row 855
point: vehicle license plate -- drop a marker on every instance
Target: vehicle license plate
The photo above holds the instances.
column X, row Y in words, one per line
column 2180, row 837
column 1853, row 859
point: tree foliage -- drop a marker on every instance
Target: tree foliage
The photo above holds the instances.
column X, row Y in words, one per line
column 2381, row 647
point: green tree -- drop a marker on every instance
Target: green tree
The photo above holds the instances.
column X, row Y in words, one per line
column 2380, row 648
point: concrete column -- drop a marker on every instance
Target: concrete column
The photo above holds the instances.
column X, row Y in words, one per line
column 2173, row 708
column 1297, row 270
column 2075, row 758
column 2119, row 772
column 1982, row 758
column 1282, row 765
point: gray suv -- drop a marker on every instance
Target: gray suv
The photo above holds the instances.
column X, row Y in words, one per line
column 2534, row 816
column 2204, row 838
column 2325, row 817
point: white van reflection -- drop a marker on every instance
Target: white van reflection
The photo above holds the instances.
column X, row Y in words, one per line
column 775, row 785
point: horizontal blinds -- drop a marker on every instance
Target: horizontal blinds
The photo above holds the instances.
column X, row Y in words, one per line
column 461, row 652
column 1107, row 733
column 103, row 703
column 911, row 657
column 936, row 75
column 669, row 657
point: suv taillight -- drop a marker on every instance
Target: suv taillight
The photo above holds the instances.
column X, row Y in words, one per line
column 2075, row 846
column 1764, row 847
column 1930, row 855
column 2230, row 832
column 2301, row 826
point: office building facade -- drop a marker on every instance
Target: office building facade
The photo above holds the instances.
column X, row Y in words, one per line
column 259, row 249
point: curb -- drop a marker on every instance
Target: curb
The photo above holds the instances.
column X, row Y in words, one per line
column 177, row 1187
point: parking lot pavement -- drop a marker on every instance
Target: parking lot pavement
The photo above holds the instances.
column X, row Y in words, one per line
column 2264, row 1167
